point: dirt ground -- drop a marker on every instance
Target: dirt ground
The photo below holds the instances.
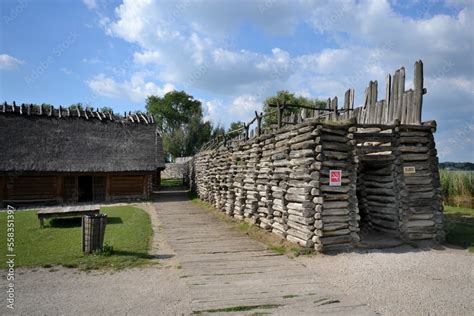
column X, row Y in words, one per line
column 205, row 265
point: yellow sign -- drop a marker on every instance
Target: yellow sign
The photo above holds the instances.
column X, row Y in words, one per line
column 409, row 170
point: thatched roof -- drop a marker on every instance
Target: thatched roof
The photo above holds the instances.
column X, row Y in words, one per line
column 59, row 140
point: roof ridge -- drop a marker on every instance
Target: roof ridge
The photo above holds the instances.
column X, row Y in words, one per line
column 87, row 113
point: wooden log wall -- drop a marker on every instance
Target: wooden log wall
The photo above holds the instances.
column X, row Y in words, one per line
column 421, row 203
column 378, row 197
column 127, row 187
column 280, row 182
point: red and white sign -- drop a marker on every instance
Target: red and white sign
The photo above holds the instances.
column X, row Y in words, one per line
column 335, row 177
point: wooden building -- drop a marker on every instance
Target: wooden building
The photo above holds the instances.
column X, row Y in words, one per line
column 55, row 156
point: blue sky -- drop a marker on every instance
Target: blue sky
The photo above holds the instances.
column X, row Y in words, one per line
column 233, row 54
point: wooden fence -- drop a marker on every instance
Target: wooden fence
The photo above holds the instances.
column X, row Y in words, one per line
column 400, row 106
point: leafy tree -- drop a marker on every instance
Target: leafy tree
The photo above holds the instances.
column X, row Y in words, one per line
column 75, row 106
column 106, row 109
column 234, row 126
column 180, row 118
column 285, row 97
column 217, row 131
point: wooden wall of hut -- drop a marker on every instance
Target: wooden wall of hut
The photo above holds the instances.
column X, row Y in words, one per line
column 37, row 189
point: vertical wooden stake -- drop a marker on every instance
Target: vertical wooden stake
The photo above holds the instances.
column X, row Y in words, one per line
column 418, row 91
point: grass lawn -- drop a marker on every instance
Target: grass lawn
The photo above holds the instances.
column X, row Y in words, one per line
column 128, row 231
column 171, row 182
column 459, row 225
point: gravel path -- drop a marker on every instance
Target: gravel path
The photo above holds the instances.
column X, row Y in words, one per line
column 404, row 280
column 206, row 264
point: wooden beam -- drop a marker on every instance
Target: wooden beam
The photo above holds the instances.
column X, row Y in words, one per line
column 107, row 188
column 418, row 92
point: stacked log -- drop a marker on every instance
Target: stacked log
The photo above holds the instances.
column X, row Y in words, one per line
column 336, row 224
column 223, row 176
column 300, row 186
column 264, row 176
column 280, row 165
column 238, row 184
column 280, row 181
column 378, row 198
column 252, row 155
column 231, row 174
column 213, row 196
column 421, row 197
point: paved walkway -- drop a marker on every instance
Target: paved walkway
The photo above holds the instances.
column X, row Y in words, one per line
column 224, row 268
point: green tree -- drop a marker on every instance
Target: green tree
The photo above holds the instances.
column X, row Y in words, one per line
column 285, row 97
column 75, row 106
column 180, row 118
column 234, row 126
column 106, row 109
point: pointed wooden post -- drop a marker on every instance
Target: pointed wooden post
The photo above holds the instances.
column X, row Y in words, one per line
column 246, row 127
column 418, row 92
column 259, row 123
column 279, row 114
column 400, row 91
column 334, row 108
column 388, row 95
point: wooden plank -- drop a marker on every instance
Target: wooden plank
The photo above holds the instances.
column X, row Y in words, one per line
column 32, row 187
column 333, row 115
column 418, row 93
column 388, row 97
column 403, row 117
column 60, row 189
column 373, row 101
column 394, row 97
column 411, row 111
column 400, row 91
column 3, row 189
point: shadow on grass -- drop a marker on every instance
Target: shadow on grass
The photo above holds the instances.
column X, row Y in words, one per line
column 77, row 221
column 141, row 255
column 460, row 230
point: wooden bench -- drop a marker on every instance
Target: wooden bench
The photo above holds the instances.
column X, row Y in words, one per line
column 67, row 211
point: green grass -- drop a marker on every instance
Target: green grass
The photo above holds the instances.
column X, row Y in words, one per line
column 171, row 182
column 459, row 225
column 457, row 187
column 128, row 231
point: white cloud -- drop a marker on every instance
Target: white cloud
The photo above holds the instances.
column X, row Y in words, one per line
column 8, row 62
column 66, row 71
column 137, row 89
column 212, row 109
column 146, row 57
column 194, row 45
column 90, row 4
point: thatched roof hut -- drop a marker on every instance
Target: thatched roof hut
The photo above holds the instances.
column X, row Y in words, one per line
column 73, row 143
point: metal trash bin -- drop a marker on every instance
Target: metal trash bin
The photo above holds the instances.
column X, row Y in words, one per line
column 93, row 230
